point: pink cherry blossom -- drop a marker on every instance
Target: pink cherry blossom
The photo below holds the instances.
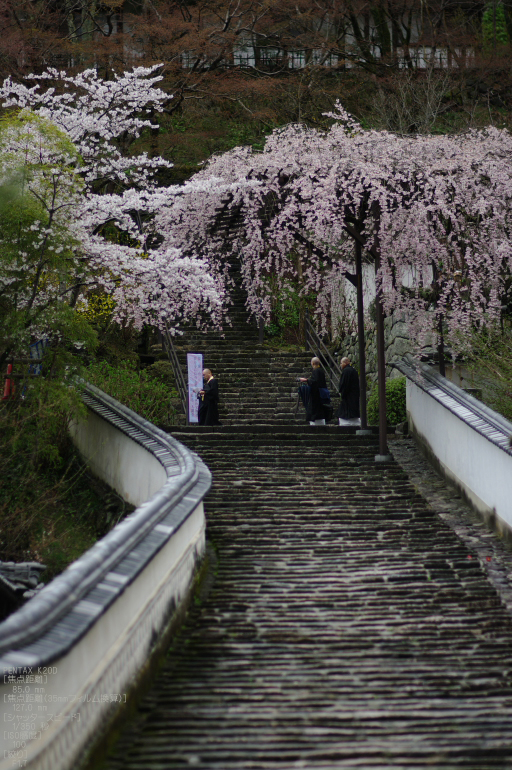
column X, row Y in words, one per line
column 437, row 208
column 107, row 200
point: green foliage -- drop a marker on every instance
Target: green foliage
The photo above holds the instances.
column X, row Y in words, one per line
column 395, row 403
column 494, row 26
column 199, row 131
column 162, row 372
column 38, row 252
column 44, row 495
column 289, row 306
column 139, row 390
column 272, row 330
column 48, row 509
column 51, row 510
column 41, row 405
column 491, row 367
column 31, row 188
column 49, row 407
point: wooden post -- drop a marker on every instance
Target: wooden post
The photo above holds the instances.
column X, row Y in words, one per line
column 306, row 321
column 383, row 455
column 361, row 339
column 440, row 347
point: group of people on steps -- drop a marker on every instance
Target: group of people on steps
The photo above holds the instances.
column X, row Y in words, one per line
column 315, row 394
column 313, row 391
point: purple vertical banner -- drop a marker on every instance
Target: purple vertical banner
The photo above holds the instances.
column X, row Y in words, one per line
column 195, row 384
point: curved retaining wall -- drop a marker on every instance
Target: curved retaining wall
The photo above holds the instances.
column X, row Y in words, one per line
column 470, row 443
column 68, row 655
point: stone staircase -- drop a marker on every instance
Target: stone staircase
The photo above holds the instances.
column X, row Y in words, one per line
column 346, row 625
column 342, row 624
column 258, row 385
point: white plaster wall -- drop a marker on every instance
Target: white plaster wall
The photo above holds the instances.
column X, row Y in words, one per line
column 478, row 467
column 103, row 663
column 125, row 465
column 62, row 707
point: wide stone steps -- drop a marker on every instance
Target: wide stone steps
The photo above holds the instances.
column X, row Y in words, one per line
column 346, row 626
column 257, row 385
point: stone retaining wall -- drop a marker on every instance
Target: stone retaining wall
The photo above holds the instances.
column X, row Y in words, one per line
column 397, row 344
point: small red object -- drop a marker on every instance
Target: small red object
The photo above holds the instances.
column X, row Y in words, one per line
column 469, row 556
column 488, row 558
column 7, row 385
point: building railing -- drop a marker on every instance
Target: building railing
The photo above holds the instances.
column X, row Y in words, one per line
column 177, row 370
column 314, row 343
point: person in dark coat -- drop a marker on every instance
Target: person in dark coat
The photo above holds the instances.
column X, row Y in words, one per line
column 209, row 403
column 348, row 413
column 315, row 412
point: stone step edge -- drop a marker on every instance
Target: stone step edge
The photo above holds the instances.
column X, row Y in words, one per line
column 273, row 428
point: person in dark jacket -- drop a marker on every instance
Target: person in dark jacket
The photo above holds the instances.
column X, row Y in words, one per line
column 348, row 413
column 209, row 400
column 315, row 412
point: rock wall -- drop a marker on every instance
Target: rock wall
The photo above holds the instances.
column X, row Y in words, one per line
column 397, row 343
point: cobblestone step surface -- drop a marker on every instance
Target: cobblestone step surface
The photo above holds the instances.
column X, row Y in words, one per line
column 348, row 625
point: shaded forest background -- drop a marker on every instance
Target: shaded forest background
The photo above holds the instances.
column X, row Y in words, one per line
column 236, row 70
